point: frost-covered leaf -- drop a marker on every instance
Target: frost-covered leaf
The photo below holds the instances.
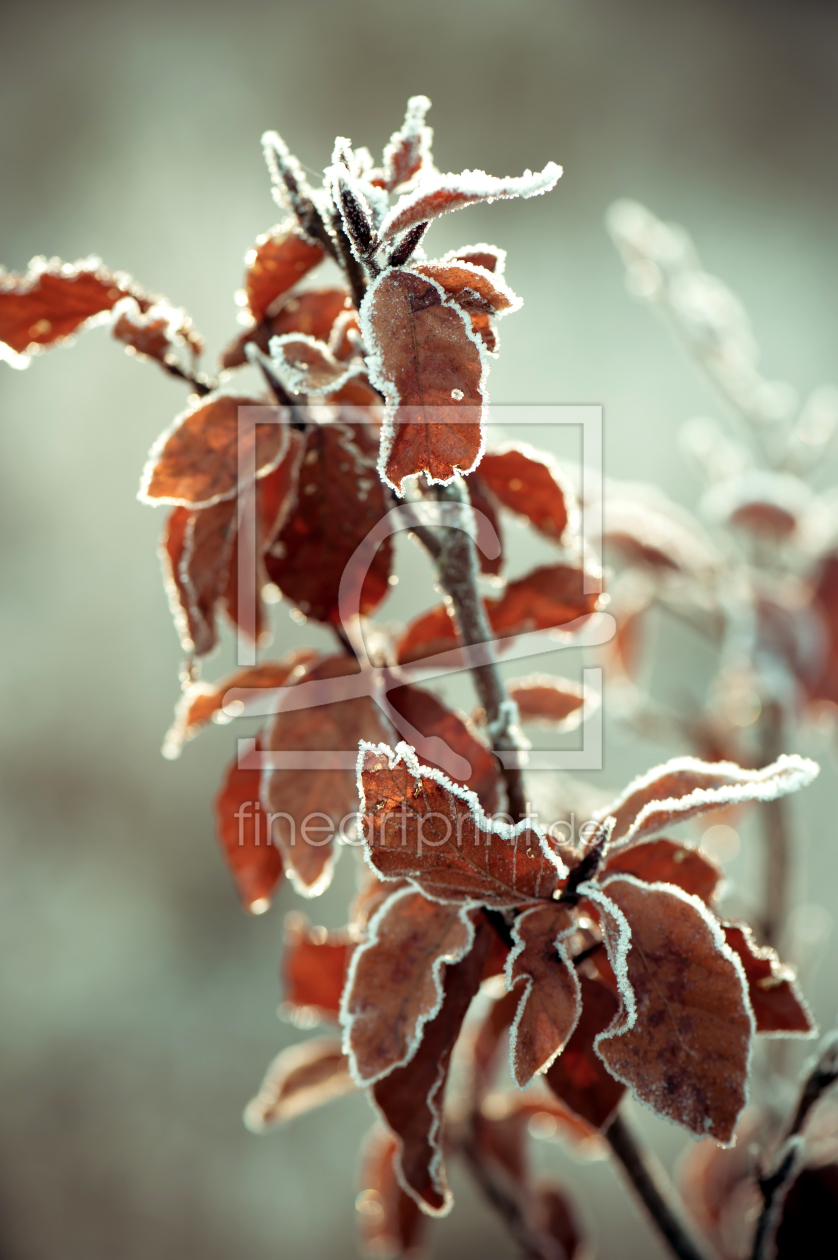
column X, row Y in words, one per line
column 314, row 312
column 195, row 463
column 684, row 1044
column 396, row 980
column 549, row 701
column 529, row 483
column 551, row 999
column 390, row 1222
column 410, row 1099
column 577, row 1077
column 778, row 1005
column 439, row 194
column 314, row 964
column 244, row 835
column 419, row 825
column 202, row 702
column 685, row 786
column 430, row 717
column 301, row 1078
column 670, row 862
column 340, row 499
column 307, row 366
column 545, row 599
column 157, row 332
column 309, row 806
column 409, row 150
column 54, row 299
column 277, row 261
column 472, row 287
column 425, row 359
column 489, row 257
column 195, row 552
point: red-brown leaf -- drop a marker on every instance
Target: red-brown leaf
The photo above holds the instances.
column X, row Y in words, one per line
column 195, row 463
column 685, row 1050
column 54, row 299
column 432, row 719
column 439, row 194
column 550, row 1004
column 410, row 1098
column 307, row 366
column 396, row 980
column 314, row 966
column 256, row 865
column 390, row 1222
column 578, row 1077
column 195, row 551
column 419, row 825
column 778, row 1004
column 278, row 260
column 530, row 484
column 549, row 701
column 669, row 862
column 489, row 257
column 301, row 1078
column 326, row 797
column 314, row 312
column 472, row 287
column 426, row 361
column 157, row 333
column 340, row 499
column 685, row 787
column 410, row 147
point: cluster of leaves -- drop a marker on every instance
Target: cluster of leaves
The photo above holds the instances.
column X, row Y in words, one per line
column 604, row 967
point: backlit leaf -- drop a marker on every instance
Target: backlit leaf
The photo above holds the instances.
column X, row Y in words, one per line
column 549, row 701
column 778, row 1004
column 472, row 287
column 530, row 484
column 409, row 149
column 299, row 1079
column 54, row 299
column 307, row 366
column 277, row 261
column 243, row 832
column 550, row 1003
column 157, row 332
column 390, row 1222
column 669, row 862
column 195, row 552
column 313, row 312
column 314, row 964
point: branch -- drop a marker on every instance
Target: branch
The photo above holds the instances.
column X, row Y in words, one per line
column 653, row 1189
column 776, row 834
column 534, row 1245
column 458, row 577
column 201, row 385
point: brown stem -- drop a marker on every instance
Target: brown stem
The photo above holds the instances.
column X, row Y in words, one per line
column 199, row 384
column 649, row 1181
column 776, row 834
column 458, row 577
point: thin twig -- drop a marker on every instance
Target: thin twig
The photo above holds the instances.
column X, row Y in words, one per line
column 201, row 385
column 776, row 834
column 651, row 1185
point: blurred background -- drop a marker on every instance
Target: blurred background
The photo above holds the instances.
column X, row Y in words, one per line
column 137, row 1001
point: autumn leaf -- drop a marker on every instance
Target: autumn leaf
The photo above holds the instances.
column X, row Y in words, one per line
column 54, row 299
column 195, row 552
column 277, row 261
column 530, row 484
column 396, row 980
column 471, row 286
column 778, row 1005
column 684, row 1044
column 409, row 149
column 314, row 964
column 309, row 806
column 421, row 826
column 410, row 1098
column 244, row 835
column 307, row 366
column 427, row 362
column 431, row 719
column 390, row 1222
column 301, row 1078
column 669, row 862
column 339, row 501
column 685, row 786
column 550, row 1003
column 195, row 463
column 489, row 257
column 315, row 312
column 549, row 701
column 439, row 194
column 155, row 333
column 578, row 1076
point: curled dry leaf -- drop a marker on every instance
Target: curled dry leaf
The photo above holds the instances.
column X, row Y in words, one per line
column 685, row 787
column 244, row 835
column 390, row 1222
column 301, row 1078
column 314, row 965
column 307, row 366
column 203, row 702
column 670, row 862
column 489, row 257
column 409, row 150
column 529, row 483
column 578, row 1076
column 195, row 463
column 430, row 367
column 430, row 718
column 314, row 312
column 420, row 826
column 54, row 299
column 685, row 1048
column 472, row 287
column 550, row 1003
column 339, row 500
column 157, row 332
column 310, row 807
column 195, row 552
column 396, row 980
column 546, row 599
column 442, row 193
column 410, row 1098
column 277, row 261
column 778, row 1005
column 555, row 702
